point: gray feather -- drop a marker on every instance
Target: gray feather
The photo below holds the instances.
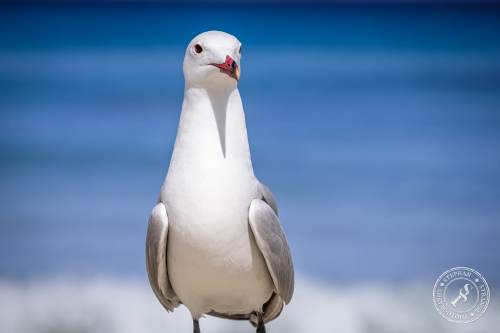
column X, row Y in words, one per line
column 272, row 243
column 268, row 197
column 156, row 257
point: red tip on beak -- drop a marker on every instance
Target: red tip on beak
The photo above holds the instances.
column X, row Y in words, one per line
column 230, row 67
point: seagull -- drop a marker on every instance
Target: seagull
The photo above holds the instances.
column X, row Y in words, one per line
column 214, row 240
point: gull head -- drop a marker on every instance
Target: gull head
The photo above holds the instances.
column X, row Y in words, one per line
column 213, row 58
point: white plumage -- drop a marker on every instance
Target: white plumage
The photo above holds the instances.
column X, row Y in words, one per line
column 213, row 237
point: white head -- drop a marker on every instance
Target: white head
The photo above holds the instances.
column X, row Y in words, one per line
column 212, row 58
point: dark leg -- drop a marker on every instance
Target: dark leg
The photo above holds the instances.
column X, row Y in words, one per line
column 196, row 326
column 260, row 325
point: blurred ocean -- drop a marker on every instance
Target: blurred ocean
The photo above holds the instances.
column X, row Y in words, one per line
column 376, row 126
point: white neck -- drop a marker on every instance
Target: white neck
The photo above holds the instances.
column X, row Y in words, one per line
column 212, row 134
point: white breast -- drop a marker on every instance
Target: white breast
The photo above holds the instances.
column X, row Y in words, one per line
column 213, row 262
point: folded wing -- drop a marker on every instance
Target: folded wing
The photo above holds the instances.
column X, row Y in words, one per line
column 156, row 257
column 272, row 243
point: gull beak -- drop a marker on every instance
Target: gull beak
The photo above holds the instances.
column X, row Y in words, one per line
column 230, row 67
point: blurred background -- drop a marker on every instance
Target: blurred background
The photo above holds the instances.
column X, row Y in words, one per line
column 376, row 125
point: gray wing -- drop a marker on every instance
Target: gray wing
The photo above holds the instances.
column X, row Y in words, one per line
column 272, row 243
column 156, row 257
column 268, row 197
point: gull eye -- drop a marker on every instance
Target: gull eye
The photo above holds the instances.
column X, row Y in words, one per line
column 239, row 51
column 198, row 49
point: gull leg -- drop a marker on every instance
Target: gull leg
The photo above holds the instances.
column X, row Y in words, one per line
column 260, row 325
column 196, row 326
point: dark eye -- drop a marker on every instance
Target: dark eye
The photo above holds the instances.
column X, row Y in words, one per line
column 198, row 49
column 239, row 51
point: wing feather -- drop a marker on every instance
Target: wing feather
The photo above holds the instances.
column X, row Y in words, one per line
column 268, row 197
column 272, row 243
column 156, row 257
